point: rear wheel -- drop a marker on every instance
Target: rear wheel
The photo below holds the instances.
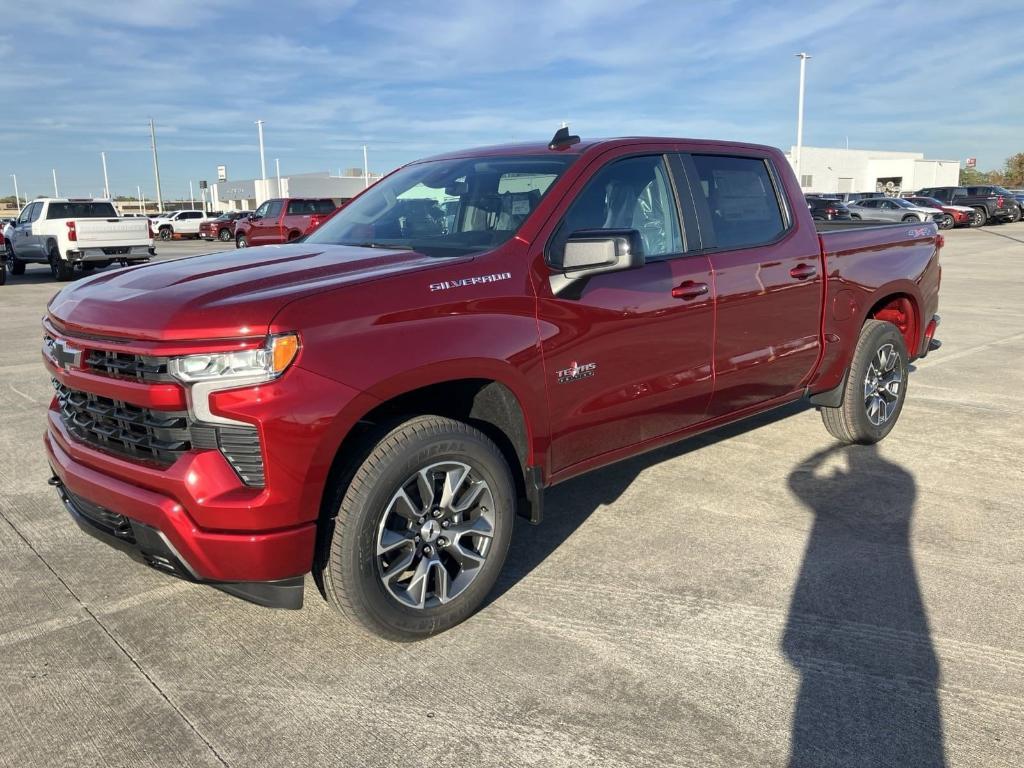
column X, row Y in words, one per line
column 59, row 268
column 876, row 387
column 224, row 235
column 980, row 217
column 947, row 221
column 422, row 530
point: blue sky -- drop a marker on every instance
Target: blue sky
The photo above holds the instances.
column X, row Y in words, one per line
column 412, row 79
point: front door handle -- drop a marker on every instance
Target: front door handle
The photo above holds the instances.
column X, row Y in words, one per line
column 689, row 290
column 803, row 271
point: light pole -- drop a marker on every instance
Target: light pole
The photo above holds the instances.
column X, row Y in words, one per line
column 106, row 181
column 17, row 198
column 55, row 192
column 800, row 116
column 191, row 194
column 142, row 205
column 366, row 168
column 277, row 167
column 156, row 167
column 263, row 160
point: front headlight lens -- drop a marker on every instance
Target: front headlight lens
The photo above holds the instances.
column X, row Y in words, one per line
column 263, row 363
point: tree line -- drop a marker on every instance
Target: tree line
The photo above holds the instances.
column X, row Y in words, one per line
column 1010, row 175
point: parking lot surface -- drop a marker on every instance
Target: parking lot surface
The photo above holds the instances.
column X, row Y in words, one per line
column 754, row 597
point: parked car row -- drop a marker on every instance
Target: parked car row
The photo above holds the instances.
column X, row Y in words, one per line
column 947, row 206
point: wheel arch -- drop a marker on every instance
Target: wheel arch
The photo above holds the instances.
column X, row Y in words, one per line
column 902, row 309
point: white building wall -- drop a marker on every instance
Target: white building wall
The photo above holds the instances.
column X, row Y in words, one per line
column 861, row 170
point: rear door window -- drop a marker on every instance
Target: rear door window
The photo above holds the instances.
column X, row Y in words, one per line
column 741, row 198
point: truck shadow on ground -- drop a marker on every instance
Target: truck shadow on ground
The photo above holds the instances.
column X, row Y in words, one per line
column 857, row 630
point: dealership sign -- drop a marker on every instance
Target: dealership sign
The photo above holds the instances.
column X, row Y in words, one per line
column 222, row 173
column 972, row 162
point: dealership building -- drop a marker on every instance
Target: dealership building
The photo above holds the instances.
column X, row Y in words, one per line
column 247, row 194
column 829, row 170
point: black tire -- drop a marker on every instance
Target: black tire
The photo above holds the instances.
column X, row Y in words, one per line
column 851, row 422
column 166, row 233
column 3, row 271
column 224, row 235
column 59, row 268
column 910, row 217
column 947, row 221
column 241, row 241
column 980, row 218
column 1015, row 214
column 351, row 574
column 16, row 265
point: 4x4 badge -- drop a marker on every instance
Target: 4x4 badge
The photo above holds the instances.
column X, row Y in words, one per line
column 575, row 372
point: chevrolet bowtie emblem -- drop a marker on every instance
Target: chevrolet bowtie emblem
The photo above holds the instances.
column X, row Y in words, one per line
column 64, row 356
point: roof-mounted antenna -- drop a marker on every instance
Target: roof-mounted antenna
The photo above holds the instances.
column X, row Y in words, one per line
column 562, row 139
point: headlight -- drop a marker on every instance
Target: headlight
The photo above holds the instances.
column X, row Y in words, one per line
column 224, row 370
column 263, row 363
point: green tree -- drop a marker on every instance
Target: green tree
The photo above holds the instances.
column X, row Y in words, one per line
column 1013, row 174
column 972, row 177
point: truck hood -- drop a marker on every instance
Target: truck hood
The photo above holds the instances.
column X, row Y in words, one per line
column 220, row 295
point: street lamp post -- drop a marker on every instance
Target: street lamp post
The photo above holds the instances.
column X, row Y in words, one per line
column 277, row 167
column 156, row 167
column 800, row 116
column 106, row 181
column 263, row 159
column 142, row 205
column 56, row 193
column 366, row 168
column 17, row 197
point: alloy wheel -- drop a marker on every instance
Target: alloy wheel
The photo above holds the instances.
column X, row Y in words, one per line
column 883, row 383
column 435, row 535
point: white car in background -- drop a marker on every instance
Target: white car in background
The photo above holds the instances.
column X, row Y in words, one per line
column 76, row 233
column 178, row 223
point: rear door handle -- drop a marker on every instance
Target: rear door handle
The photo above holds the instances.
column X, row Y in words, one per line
column 689, row 290
column 803, row 271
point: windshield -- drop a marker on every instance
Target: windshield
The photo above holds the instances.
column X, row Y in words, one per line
column 446, row 207
column 902, row 203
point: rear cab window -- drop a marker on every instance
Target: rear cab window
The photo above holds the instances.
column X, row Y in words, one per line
column 85, row 210
column 742, row 200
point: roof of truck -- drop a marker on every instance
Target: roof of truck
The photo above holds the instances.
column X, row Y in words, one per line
column 585, row 145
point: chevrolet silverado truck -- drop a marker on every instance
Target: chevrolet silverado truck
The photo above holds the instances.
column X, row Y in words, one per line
column 179, row 224
column 76, row 234
column 282, row 220
column 375, row 404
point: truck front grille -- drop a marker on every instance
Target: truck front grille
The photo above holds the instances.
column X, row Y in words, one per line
column 123, row 365
column 124, row 429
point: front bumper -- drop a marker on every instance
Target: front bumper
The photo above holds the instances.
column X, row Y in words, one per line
column 154, row 528
column 151, row 546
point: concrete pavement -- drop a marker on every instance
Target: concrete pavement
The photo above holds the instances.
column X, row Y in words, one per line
column 745, row 599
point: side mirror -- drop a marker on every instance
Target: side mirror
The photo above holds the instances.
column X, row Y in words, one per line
column 253, row 217
column 595, row 252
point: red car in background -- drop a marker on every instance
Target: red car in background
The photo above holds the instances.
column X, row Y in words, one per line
column 282, row 220
column 223, row 227
column 952, row 215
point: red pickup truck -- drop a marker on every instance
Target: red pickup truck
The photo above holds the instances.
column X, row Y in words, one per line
column 376, row 403
column 282, row 220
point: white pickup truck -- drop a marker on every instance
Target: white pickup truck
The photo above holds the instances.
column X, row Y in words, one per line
column 180, row 223
column 76, row 233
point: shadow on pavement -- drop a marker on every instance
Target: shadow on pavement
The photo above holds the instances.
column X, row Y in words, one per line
column 568, row 505
column 857, row 629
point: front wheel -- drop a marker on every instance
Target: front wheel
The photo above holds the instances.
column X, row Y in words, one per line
column 876, row 387
column 910, row 217
column 166, row 233
column 1015, row 214
column 947, row 222
column 421, row 531
column 241, row 242
column 16, row 265
column 980, row 217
